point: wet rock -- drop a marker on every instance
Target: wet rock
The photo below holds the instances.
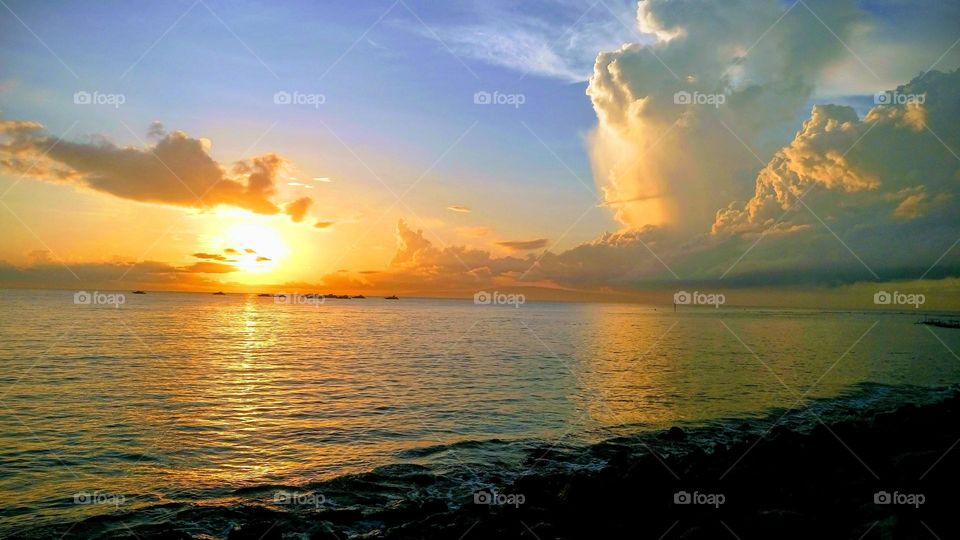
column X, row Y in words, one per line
column 675, row 434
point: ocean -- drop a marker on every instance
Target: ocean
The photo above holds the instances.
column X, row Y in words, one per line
column 167, row 401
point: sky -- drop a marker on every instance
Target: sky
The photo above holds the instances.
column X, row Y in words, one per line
column 441, row 148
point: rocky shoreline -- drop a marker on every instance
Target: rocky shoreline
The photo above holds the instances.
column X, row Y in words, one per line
column 885, row 475
column 881, row 473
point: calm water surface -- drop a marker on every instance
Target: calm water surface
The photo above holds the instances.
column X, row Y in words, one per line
column 189, row 397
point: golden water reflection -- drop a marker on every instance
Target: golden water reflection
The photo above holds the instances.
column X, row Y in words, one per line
column 182, row 397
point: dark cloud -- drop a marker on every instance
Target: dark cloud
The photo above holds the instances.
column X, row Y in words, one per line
column 211, row 256
column 524, row 245
column 177, row 170
column 104, row 275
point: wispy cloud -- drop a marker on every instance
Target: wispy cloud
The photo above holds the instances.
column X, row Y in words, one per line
column 561, row 42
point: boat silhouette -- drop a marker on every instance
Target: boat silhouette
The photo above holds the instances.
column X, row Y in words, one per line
column 940, row 323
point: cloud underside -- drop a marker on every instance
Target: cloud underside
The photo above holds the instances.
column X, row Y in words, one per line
column 178, row 170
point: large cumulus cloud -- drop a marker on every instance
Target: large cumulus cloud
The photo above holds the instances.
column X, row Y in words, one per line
column 663, row 163
column 880, row 202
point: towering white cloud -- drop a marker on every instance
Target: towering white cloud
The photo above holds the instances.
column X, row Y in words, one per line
column 747, row 73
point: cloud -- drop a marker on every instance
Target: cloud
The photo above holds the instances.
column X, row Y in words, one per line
column 249, row 250
column 894, row 163
column 458, row 208
column 231, row 251
column 156, row 130
column 177, row 170
column 324, row 224
column 880, row 202
column 672, row 164
column 262, row 258
column 211, row 256
column 524, row 245
column 297, row 210
column 116, row 275
column 560, row 42
column 210, row 268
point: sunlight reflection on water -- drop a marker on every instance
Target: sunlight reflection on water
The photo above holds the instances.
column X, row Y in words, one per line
column 180, row 396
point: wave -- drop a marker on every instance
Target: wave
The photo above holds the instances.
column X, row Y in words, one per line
column 408, row 492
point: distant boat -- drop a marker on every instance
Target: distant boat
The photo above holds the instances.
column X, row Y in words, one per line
column 219, row 293
column 360, row 296
column 139, row 292
column 941, row 323
column 265, row 294
column 390, row 298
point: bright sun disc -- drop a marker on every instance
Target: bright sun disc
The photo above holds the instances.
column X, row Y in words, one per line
column 264, row 241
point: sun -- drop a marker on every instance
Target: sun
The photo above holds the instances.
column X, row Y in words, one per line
column 260, row 248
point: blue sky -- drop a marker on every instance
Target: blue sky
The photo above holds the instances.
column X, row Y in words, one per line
column 398, row 118
column 397, row 92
